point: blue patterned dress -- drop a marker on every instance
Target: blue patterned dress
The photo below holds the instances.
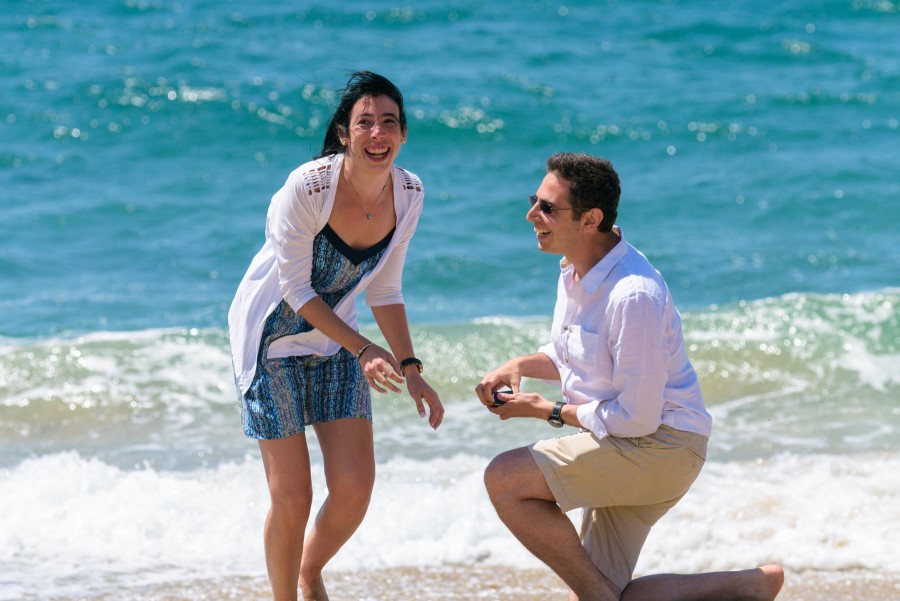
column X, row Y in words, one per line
column 288, row 393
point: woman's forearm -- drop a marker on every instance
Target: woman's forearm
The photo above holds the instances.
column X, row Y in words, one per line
column 321, row 316
column 391, row 320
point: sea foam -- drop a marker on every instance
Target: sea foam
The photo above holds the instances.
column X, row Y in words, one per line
column 85, row 517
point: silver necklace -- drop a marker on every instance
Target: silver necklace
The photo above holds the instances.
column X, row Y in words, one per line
column 360, row 200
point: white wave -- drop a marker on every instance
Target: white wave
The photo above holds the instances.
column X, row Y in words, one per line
column 879, row 371
column 185, row 368
column 63, row 516
column 816, row 512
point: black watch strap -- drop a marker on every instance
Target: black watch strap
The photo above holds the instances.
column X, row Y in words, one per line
column 555, row 418
column 412, row 361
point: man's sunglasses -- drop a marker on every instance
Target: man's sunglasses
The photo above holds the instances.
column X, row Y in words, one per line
column 545, row 206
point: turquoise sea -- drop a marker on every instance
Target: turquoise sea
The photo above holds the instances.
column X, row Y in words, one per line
column 141, row 140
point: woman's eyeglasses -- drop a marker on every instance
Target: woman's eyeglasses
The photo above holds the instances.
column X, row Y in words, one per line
column 546, row 207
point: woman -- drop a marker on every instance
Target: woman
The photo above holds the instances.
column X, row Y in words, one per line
column 339, row 226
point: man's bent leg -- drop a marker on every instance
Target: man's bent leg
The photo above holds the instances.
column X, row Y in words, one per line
column 525, row 503
column 760, row 584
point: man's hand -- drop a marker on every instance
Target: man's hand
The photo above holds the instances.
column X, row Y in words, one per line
column 506, row 375
column 522, row 404
column 511, row 373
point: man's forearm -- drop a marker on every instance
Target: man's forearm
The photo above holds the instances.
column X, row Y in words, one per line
column 537, row 366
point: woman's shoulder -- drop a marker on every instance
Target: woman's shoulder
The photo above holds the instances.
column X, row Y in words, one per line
column 409, row 182
column 314, row 177
column 408, row 179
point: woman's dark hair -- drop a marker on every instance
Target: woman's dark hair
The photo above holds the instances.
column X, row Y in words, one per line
column 593, row 183
column 360, row 85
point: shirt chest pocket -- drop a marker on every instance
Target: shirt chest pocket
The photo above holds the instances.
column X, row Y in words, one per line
column 581, row 349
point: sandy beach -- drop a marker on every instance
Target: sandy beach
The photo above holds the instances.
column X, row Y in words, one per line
column 483, row 584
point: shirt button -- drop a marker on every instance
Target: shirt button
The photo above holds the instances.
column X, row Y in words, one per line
column 565, row 327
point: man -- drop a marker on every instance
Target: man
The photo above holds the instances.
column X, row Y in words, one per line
column 626, row 381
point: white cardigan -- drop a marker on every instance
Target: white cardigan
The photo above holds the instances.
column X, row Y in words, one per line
column 283, row 267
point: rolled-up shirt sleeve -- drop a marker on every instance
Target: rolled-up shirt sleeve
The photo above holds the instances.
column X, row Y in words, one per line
column 639, row 348
column 292, row 227
column 550, row 350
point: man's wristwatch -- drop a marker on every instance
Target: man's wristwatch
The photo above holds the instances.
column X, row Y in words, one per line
column 555, row 420
column 411, row 361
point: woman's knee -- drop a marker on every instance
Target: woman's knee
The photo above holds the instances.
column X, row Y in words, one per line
column 292, row 501
column 351, row 492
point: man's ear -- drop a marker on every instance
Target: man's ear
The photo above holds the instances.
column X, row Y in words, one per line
column 592, row 218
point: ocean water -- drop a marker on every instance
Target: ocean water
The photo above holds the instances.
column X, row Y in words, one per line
column 141, row 140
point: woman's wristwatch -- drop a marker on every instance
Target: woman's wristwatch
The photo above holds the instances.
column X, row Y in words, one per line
column 412, row 361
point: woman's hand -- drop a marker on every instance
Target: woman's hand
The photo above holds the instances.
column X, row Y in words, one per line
column 420, row 391
column 380, row 367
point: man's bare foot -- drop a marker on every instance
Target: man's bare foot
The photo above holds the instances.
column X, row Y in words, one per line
column 774, row 579
column 314, row 590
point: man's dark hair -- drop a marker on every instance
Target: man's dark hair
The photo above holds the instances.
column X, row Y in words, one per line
column 593, row 184
column 360, row 85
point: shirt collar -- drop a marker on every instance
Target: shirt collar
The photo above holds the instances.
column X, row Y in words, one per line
column 593, row 278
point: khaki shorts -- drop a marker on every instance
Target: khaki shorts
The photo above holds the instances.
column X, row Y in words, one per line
column 624, row 486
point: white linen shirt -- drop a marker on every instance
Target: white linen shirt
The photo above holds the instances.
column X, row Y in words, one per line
column 618, row 347
column 282, row 268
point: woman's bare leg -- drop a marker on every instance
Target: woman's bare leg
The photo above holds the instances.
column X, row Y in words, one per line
column 349, row 455
column 286, row 461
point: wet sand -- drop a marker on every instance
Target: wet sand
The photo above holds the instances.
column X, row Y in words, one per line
column 467, row 583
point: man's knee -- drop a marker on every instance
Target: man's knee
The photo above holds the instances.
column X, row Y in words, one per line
column 494, row 476
column 507, row 476
column 515, row 475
